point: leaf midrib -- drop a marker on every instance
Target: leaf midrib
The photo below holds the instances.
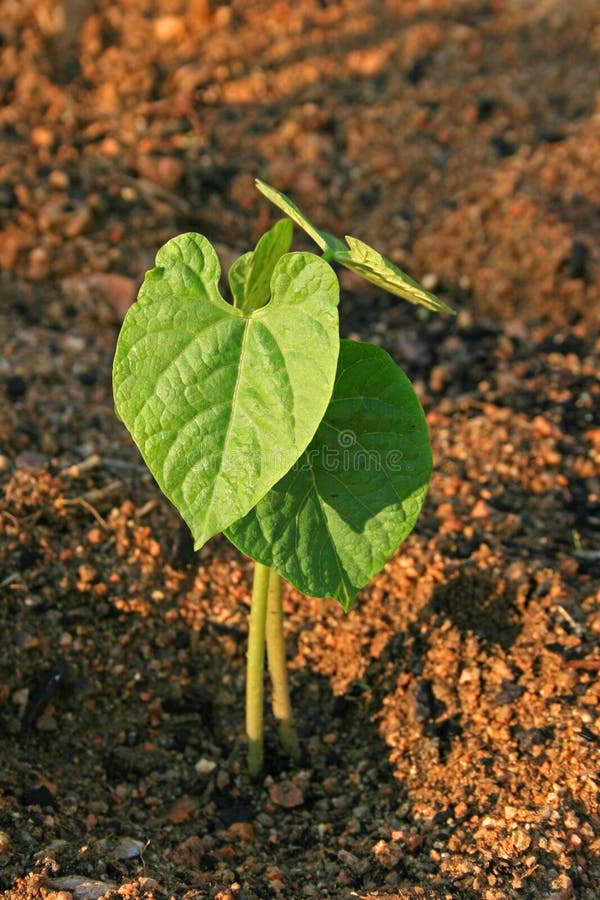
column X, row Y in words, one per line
column 236, row 391
column 329, row 536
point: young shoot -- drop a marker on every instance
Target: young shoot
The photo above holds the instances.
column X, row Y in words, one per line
column 310, row 453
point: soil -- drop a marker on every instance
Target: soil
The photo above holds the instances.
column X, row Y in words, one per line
column 450, row 723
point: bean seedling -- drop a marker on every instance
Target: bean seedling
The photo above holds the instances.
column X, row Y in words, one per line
column 309, row 452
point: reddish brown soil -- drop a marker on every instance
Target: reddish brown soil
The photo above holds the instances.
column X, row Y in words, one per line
column 450, row 723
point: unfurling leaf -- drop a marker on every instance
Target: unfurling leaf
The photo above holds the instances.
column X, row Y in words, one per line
column 327, row 242
column 358, row 256
column 250, row 275
column 379, row 270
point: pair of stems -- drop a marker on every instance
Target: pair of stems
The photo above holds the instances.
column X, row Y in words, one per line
column 266, row 627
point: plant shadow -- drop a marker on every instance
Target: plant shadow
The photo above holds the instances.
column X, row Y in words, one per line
column 480, row 603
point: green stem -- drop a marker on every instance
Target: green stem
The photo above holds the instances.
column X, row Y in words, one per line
column 255, row 668
column 282, row 708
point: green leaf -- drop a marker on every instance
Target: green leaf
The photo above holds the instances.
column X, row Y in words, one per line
column 358, row 256
column 250, row 275
column 379, row 270
column 221, row 402
column 327, row 242
column 354, row 495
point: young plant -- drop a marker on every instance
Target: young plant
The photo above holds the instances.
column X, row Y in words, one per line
column 311, row 454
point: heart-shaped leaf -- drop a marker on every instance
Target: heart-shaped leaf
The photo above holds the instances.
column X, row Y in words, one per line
column 354, row 495
column 219, row 401
column 250, row 275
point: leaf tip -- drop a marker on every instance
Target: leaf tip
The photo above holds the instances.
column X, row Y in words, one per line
column 346, row 603
column 262, row 186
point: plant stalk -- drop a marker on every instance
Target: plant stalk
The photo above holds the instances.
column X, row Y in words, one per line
column 282, row 707
column 255, row 663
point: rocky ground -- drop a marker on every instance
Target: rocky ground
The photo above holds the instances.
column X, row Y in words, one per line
column 450, row 722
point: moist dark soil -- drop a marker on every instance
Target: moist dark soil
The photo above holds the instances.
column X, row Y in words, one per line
column 450, row 723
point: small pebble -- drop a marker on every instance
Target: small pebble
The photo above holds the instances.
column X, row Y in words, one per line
column 430, row 281
column 94, row 536
column 348, row 859
column 165, row 171
column 188, row 853
column 42, row 137
column 481, row 510
column 205, row 766
column 78, row 221
column 265, row 819
column 242, row 832
column 58, row 180
column 39, row 263
column 128, row 848
column 286, row 794
column 5, row 843
column 30, row 459
column 46, row 724
column 73, row 343
column 169, row 28
column 360, row 812
column 183, row 809
column 20, row 697
column 81, row 887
